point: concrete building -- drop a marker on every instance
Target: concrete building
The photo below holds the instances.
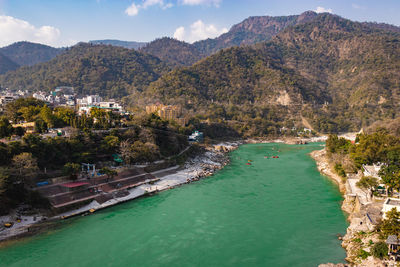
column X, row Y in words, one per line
column 389, row 204
column 372, row 170
column 28, row 126
column 107, row 106
column 170, row 112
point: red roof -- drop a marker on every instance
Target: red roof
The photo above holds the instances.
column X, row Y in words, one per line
column 74, row 184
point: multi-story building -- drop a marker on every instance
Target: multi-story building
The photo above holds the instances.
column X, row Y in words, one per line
column 170, row 112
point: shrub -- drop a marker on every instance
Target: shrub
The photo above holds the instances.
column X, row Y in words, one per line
column 363, row 254
column 339, row 170
column 379, row 250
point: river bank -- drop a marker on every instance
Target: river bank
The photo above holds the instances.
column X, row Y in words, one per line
column 213, row 159
column 359, row 231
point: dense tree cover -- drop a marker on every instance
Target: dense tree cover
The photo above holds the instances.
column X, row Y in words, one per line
column 22, row 163
column 339, row 74
column 391, row 226
column 377, row 148
column 44, row 117
column 91, row 69
column 28, row 54
column 7, row 64
column 175, row 53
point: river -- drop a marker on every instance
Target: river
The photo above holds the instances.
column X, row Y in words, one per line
column 274, row 212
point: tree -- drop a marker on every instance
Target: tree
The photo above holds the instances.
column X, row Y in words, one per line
column 4, row 177
column 391, row 226
column 111, row 143
column 390, row 174
column 109, row 172
column 46, row 114
column 71, row 169
column 367, row 184
column 19, row 131
column 379, row 250
column 6, row 128
column 125, row 151
column 40, row 126
column 25, row 166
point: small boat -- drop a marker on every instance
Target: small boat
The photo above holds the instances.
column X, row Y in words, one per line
column 248, row 163
column 8, row 224
column 265, row 157
column 249, row 160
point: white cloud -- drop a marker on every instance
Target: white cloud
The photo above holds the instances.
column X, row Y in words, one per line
column 180, row 33
column 14, row 30
column 321, row 9
column 133, row 9
column 198, row 31
column 201, row 2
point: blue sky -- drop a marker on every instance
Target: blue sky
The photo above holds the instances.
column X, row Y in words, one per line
column 62, row 22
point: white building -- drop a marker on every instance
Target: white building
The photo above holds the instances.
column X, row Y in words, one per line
column 89, row 100
column 389, row 204
column 107, row 106
column 372, row 170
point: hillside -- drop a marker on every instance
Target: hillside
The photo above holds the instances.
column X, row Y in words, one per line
column 173, row 52
column 7, row 64
column 339, row 74
column 125, row 44
column 91, row 69
column 28, row 54
column 253, row 30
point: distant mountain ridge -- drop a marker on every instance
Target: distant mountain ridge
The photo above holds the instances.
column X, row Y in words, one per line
column 28, row 54
column 125, row 44
column 173, row 52
column 341, row 75
column 92, row 69
column 253, row 30
column 338, row 74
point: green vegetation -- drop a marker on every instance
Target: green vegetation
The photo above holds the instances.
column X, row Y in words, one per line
column 363, row 254
column 379, row 250
column 91, row 69
column 339, row 170
column 31, row 159
column 6, row 64
column 28, row 54
column 368, row 184
column 391, row 226
column 337, row 74
column 175, row 53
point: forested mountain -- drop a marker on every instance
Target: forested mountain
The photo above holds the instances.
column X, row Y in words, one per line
column 173, row 52
column 7, row 64
column 125, row 44
column 253, row 30
column 339, row 74
column 27, row 54
column 92, row 69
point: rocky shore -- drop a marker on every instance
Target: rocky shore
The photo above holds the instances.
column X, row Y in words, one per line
column 359, row 232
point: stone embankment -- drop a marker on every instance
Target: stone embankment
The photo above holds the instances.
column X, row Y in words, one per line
column 363, row 215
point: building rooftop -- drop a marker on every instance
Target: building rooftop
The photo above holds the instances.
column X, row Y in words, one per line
column 392, row 240
column 393, row 202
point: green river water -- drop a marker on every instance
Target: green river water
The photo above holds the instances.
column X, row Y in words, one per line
column 276, row 212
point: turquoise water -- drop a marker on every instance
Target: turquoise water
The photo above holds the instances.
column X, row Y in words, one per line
column 276, row 212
